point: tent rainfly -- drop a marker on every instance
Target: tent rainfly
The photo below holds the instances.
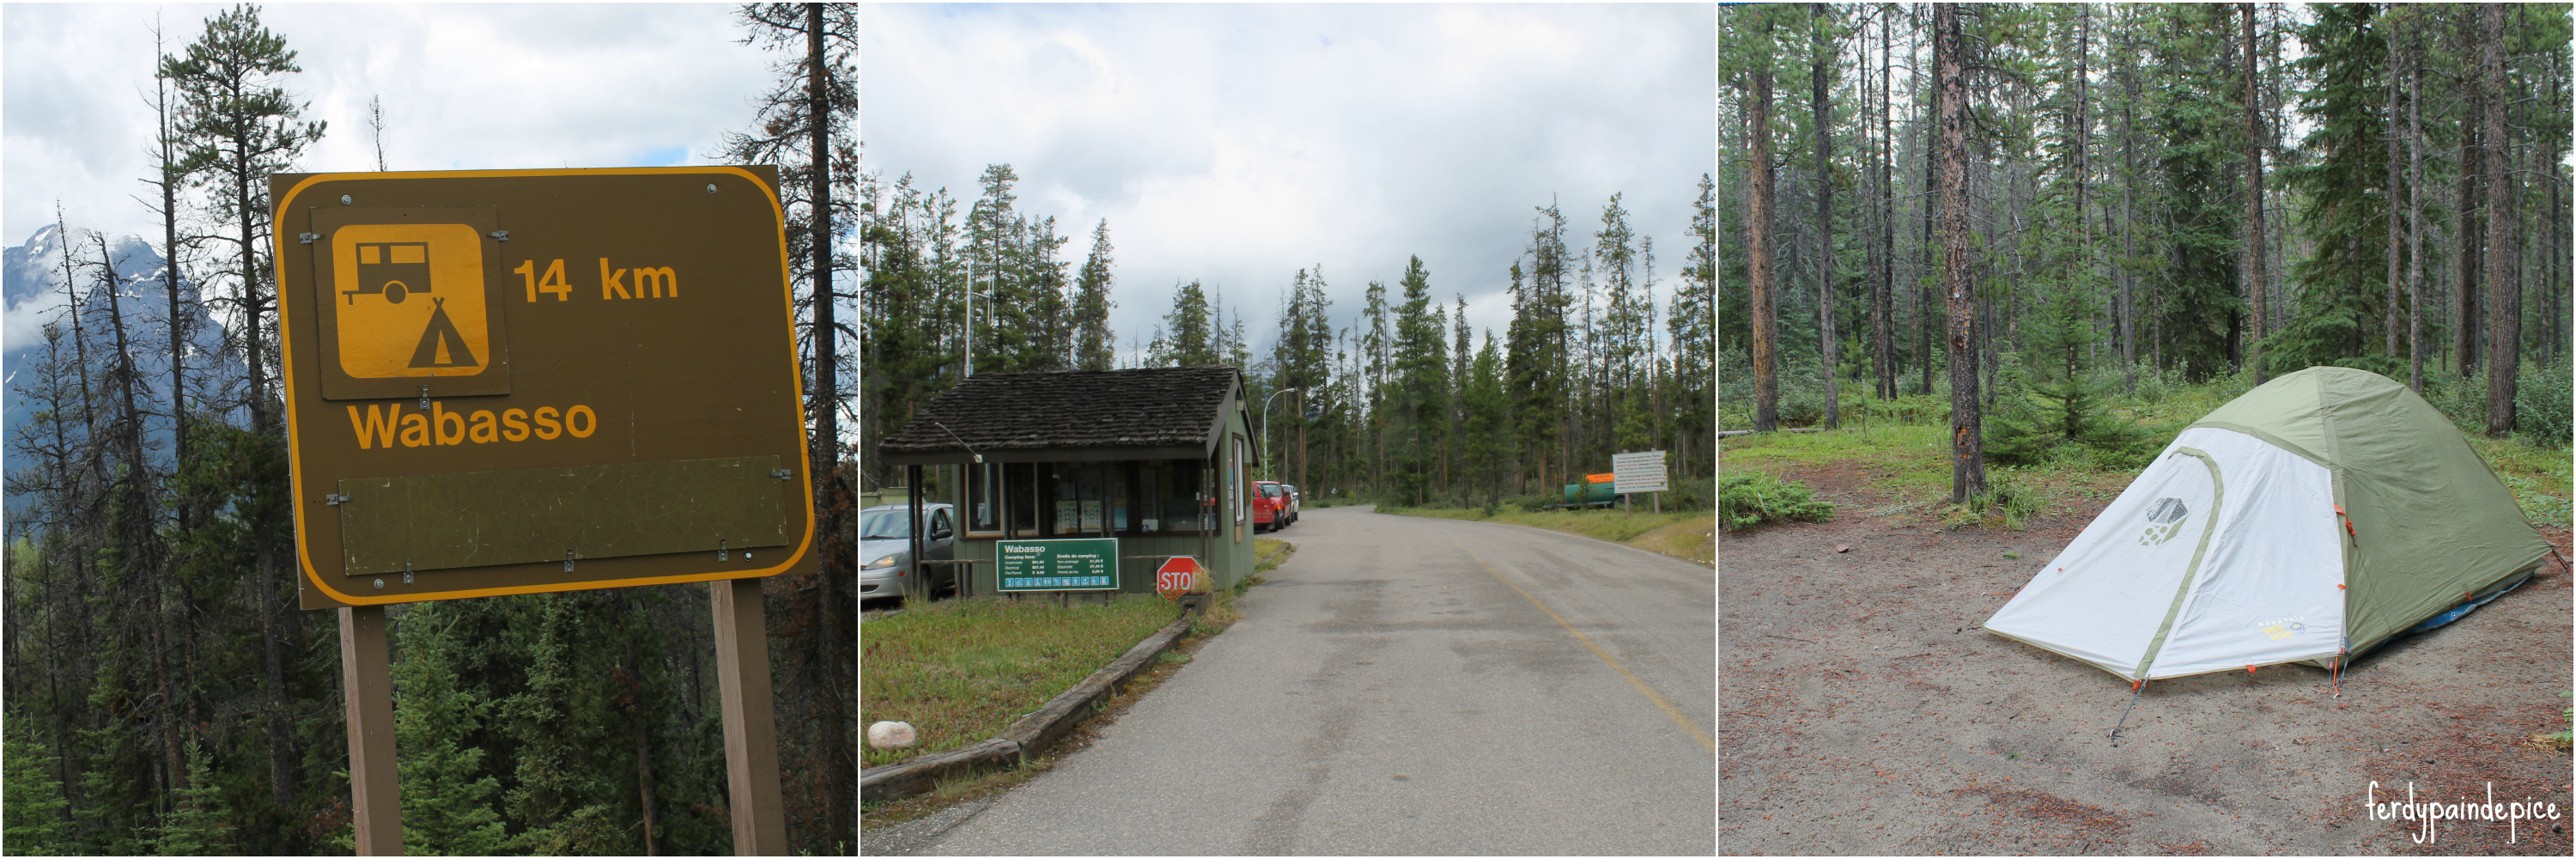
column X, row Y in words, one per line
column 2311, row 519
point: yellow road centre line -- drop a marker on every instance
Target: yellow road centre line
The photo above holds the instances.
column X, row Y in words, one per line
column 1642, row 688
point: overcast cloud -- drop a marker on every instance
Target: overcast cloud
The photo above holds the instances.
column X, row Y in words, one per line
column 464, row 87
column 1236, row 144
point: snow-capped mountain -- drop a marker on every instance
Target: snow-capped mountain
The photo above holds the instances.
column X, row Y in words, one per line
column 32, row 297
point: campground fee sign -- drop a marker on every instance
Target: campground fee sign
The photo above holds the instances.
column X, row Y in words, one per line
column 1058, row 565
column 1638, row 472
column 521, row 381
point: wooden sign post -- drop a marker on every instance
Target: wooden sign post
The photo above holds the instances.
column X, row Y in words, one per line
column 471, row 413
column 750, row 726
column 367, row 690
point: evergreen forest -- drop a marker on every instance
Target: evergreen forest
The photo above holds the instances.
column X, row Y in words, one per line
column 2018, row 219
column 164, row 694
column 1399, row 402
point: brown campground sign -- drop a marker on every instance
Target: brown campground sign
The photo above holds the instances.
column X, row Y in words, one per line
column 521, row 381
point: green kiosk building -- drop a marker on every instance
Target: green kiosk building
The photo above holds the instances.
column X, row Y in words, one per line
column 1154, row 458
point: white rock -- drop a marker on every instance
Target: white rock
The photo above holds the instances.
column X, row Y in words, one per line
column 891, row 735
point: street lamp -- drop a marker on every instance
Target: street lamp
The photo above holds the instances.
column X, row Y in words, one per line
column 1265, row 428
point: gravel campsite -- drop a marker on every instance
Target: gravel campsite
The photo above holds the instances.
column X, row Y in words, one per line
column 1864, row 712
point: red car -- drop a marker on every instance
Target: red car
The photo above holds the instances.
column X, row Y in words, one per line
column 1269, row 506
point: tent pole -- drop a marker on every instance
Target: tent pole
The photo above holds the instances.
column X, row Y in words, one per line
column 2134, row 689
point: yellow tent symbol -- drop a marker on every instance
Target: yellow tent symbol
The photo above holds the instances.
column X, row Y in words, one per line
column 441, row 345
column 410, row 300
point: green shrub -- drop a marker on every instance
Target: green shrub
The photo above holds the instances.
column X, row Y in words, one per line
column 2541, row 404
column 1751, row 498
column 2005, row 499
column 1688, row 493
column 2463, row 399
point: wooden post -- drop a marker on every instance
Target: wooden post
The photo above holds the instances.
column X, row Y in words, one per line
column 750, row 726
column 367, row 691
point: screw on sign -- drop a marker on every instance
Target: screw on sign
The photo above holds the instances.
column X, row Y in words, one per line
column 1180, row 575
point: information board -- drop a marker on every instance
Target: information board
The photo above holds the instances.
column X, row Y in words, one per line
column 522, row 381
column 1058, row 565
column 1638, row 472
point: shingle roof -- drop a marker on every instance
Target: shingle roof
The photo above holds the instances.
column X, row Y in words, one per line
column 1167, row 407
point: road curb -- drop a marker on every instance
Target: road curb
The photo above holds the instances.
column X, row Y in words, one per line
column 1029, row 737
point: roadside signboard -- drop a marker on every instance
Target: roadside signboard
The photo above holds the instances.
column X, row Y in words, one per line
column 1058, row 565
column 1180, row 575
column 1638, row 472
column 522, row 381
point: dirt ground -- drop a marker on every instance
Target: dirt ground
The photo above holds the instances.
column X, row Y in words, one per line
column 1861, row 711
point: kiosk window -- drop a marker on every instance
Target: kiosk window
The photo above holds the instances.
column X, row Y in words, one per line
column 1020, row 482
column 1118, row 521
column 1169, row 496
column 1077, row 503
column 983, row 498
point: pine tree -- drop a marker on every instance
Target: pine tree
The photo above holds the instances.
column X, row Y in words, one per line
column 447, row 810
column 1692, row 325
column 1095, row 347
column 1189, row 338
column 197, row 826
column 1421, row 400
column 1488, row 420
column 33, row 806
column 238, row 128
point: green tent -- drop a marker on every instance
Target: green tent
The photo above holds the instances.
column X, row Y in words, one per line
column 2309, row 520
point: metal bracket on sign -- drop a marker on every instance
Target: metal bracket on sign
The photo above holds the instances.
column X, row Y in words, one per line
column 334, row 499
column 720, row 550
column 406, row 571
column 424, row 398
column 503, row 235
column 308, row 238
column 567, row 560
column 782, row 474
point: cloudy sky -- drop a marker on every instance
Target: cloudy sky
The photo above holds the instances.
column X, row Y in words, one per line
column 1235, row 144
column 464, row 87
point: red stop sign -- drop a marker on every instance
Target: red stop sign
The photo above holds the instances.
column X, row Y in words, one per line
column 1178, row 576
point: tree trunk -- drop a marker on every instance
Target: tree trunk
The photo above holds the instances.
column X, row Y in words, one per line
column 2415, row 223
column 1757, row 253
column 1886, row 222
column 2253, row 196
column 2388, row 317
column 2472, row 240
column 2128, row 228
column 2083, row 142
column 170, row 278
column 1828, row 344
column 1925, row 300
column 827, row 438
column 644, row 786
column 2504, row 296
column 135, row 533
column 1967, row 447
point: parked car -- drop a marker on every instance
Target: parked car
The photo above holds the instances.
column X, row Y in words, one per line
column 1293, row 503
column 886, row 568
column 1267, row 504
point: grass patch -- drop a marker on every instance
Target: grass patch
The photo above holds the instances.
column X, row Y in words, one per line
column 961, row 671
column 975, row 786
column 2538, row 476
column 1665, row 533
column 1268, row 553
column 1906, row 458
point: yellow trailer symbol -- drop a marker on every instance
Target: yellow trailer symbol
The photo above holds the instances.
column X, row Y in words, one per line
column 411, row 300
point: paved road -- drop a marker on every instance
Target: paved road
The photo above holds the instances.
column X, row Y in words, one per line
column 1396, row 688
